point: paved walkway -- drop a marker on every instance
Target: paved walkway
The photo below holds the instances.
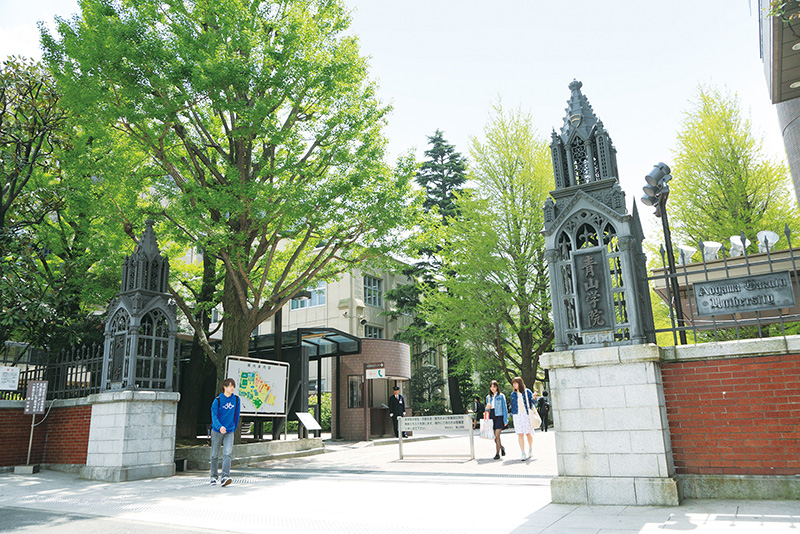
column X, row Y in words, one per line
column 363, row 488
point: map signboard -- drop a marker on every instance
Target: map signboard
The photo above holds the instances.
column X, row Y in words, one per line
column 262, row 385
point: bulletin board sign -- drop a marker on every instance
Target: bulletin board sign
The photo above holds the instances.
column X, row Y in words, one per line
column 9, row 378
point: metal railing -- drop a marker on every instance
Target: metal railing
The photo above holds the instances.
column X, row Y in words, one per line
column 75, row 372
column 701, row 328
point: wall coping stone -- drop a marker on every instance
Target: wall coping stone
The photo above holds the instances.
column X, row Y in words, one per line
column 602, row 356
column 741, row 348
column 134, row 396
column 58, row 403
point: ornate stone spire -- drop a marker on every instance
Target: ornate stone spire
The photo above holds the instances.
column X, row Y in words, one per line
column 579, row 113
column 583, row 152
column 146, row 269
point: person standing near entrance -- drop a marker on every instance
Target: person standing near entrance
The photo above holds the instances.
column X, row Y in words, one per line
column 498, row 412
column 397, row 408
column 543, row 407
column 224, row 420
column 477, row 410
column 521, row 405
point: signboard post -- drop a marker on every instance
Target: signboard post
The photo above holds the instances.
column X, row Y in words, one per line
column 439, row 423
column 35, row 400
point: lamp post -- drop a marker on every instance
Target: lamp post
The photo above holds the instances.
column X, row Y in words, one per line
column 655, row 194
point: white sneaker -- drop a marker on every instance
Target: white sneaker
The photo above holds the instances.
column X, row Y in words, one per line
column 530, row 452
column 523, row 456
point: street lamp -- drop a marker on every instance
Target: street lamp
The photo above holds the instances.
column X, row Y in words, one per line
column 656, row 193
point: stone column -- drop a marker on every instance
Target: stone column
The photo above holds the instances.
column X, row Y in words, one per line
column 131, row 436
column 612, row 439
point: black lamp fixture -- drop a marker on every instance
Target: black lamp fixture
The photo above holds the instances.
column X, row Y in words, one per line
column 656, row 193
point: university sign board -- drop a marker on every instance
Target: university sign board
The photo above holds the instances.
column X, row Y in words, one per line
column 592, row 291
column 744, row 294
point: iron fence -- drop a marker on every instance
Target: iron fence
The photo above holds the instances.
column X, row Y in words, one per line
column 728, row 275
column 75, row 372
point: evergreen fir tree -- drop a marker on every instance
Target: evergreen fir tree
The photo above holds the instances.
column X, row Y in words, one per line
column 442, row 174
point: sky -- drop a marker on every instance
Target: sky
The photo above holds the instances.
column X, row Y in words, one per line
column 443, row 64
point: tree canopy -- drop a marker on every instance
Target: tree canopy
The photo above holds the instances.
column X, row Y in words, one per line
column 496, row 299
column 723, row 183
column 265, row 128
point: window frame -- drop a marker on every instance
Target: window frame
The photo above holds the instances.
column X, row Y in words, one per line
column 373, row 291
column 358, row 382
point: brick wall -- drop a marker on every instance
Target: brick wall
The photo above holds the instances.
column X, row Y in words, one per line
column 63, row 437
column 737, row 416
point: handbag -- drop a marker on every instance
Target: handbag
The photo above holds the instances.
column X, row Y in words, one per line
column 536, row 421
column 487, row 427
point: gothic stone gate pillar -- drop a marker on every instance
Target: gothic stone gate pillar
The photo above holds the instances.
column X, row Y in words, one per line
column 612, row 444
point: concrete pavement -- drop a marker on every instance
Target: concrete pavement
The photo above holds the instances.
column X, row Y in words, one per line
column 364, row 488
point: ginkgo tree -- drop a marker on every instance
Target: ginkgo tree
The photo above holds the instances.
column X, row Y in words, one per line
column 266, row 129
column 495, row 298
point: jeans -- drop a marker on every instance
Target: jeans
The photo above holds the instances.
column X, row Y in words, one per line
column 226, row 440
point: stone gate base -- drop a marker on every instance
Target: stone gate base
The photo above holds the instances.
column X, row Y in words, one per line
column 613, row 442
column 132, row 436
column 615, row 490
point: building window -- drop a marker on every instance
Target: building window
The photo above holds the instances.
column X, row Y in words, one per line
column 355, row 385
column 214, row 315
column 317, row 298
column 373, row 291
column 373, row 332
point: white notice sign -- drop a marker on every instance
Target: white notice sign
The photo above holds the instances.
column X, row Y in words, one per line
column 9, row 378
column 376, row 373
column 438, row 423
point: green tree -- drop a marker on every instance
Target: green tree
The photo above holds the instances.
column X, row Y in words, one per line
column 30, row 122
column 496, row 299
column 265, row 127
column 723, row 183
column 442, row 175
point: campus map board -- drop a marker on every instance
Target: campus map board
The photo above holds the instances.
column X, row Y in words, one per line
column 262, row 385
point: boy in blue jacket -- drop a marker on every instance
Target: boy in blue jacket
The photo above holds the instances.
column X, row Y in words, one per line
column 224, row 420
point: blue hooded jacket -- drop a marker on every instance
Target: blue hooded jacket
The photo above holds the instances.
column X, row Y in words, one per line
column 225, row 412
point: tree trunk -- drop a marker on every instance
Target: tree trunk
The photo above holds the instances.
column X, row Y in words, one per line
column 235, row 333
column 237, row 327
